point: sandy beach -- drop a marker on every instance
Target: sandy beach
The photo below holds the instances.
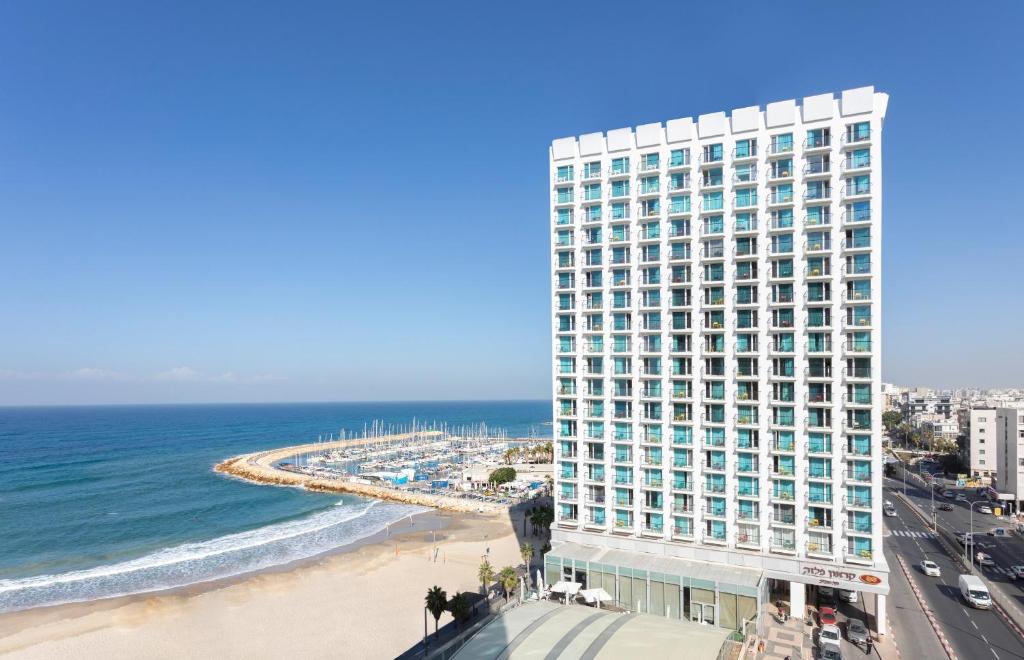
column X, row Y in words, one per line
column 366, row 602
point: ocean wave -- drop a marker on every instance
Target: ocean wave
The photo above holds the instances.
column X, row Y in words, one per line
column 191, row 563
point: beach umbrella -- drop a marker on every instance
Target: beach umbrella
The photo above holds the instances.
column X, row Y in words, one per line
column 540, row 581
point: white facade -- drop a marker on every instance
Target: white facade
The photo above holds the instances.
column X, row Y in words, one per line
column 982, row 442
column 1010, row 433
column 717, row 336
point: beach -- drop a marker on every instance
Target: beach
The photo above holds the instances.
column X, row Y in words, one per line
column 365, row 601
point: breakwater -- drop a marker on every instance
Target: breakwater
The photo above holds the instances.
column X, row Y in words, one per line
column 262, row 468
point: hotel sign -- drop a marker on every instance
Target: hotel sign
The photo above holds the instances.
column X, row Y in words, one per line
column 851, row 578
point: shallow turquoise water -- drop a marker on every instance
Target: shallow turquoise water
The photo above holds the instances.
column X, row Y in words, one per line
column 104, row 501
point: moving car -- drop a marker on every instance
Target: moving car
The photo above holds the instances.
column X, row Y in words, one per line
column 827, row 617
column 890, row 510
column 930, row 568
column 984, row 559
column 947, row 493
column 963, row 538
column 829, row 634
column 856, row 631
column 848, row 596
column 974, row 592
column 1017, row 571
column 946, row 506
column 960, row 497
column 984, row 508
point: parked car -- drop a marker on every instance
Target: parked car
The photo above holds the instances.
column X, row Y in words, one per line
column 946, row 506
column 984, row 559
column 930, row 568
column 848, row 596
column 826, row 597
column 856, row 631
column 829, row 634
column 1017, row 571
column 829, row 652
column 827, row 616
column 984, row 508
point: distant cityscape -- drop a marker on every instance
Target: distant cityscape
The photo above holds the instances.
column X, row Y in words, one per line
column 982, row 428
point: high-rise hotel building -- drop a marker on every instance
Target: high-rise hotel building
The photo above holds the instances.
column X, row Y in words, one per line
column 717, row 352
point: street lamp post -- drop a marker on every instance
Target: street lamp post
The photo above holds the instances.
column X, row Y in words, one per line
column 969, row 547
column 932, row 489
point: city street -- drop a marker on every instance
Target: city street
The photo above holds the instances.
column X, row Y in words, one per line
column 972, row 633
column 1005, row 551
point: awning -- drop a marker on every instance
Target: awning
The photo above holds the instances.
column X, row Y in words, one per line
column 595, row 595
column 571, row 588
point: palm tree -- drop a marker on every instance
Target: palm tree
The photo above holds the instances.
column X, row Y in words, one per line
column 485, row 574
column 459, row 607
column 508, row 578
column 437, row 602
column 526, row 552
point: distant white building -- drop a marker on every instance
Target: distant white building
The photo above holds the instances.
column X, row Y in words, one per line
column 1010, row 434
column 982, row 442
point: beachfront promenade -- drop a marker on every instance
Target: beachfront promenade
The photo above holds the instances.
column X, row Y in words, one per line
column 261, row 467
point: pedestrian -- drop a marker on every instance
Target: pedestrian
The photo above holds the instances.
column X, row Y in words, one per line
column 867, row 647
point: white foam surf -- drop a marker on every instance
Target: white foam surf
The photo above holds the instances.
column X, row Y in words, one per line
column 191, row 563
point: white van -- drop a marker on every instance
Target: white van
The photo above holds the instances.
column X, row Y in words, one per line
column 974, row 592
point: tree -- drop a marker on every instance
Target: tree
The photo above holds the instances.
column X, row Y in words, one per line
column 891, row 419
column 459, row 607
column 486, row 574
column 508, row 578
column 526, row 552
column 437, row 602
column 502, row 475
column 542, row 518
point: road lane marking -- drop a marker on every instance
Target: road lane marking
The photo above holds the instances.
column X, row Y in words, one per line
column 975, row 626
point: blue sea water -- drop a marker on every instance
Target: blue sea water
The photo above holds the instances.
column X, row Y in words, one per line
column 105, row 501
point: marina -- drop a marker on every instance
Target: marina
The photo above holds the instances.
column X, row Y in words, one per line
column 417, row 463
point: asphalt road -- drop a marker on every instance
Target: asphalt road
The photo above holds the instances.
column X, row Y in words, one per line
column 974, row 634
column 1005, row 551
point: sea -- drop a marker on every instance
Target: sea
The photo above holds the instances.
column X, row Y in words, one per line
column 105, row 501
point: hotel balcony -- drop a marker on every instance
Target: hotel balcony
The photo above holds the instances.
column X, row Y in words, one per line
column 856, row 217
column 745, row 154
column 857, row 503
column 857, row 477
column 858, row 346
column 817, row 194
column 856, row 138
column 853, row 297
column 780, row 199
column 817, row 169
column 652, row 530
column 856, row 165
column 820, row 550
column 822, row 220
column 857, row 373
column 863, row 558
column 682, row 534
column 853, row 193
column 818, row 144
column 709, row 539
column 748, row 541
column 782, row 546
column 856, row 269
column 856, row 243
column 748, row 493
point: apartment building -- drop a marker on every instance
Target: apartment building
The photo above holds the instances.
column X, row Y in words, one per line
column 1010, row 437
column 982, row 442
column 717, row 391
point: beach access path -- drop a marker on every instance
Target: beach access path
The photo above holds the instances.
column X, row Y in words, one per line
column 261, row 467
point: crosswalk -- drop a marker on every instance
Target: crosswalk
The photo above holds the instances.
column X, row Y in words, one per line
column 909, row 533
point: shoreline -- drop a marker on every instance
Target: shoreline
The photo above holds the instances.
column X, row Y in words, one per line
column 400, row 561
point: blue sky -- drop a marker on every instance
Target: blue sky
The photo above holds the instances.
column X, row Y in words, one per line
column 309, row 201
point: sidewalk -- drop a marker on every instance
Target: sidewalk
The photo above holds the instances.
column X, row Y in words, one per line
column 784, row 640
